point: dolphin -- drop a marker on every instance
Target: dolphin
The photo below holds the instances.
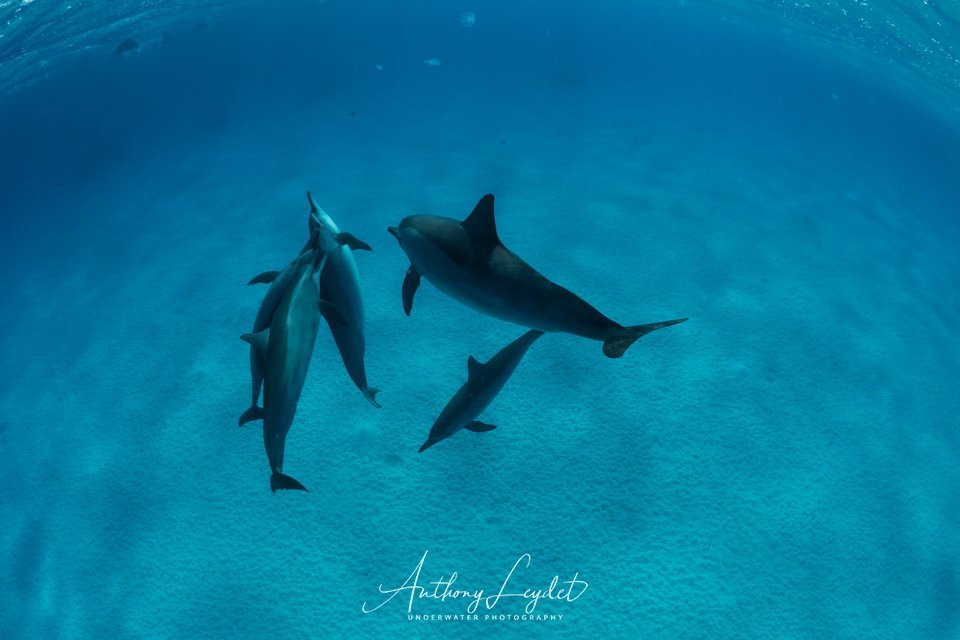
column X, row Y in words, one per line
column 342, row 305
column 467, row 261
column 286, row 347
column 484, row 382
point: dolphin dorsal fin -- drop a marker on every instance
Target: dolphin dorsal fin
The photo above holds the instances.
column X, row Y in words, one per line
column 258, row 340
column 473, row 367
column 480, row 224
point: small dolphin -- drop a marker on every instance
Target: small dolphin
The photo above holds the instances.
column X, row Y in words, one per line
column 484, row 382
column 468, row 262
column 433, row 62
column 342, row 306
column 287, row 348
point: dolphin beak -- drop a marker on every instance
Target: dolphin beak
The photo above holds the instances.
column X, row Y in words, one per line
column 394, row 232
column 426, row 445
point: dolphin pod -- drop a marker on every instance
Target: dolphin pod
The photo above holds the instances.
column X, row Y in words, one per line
column 285, row 330
column 340, row 293
column 467, row 261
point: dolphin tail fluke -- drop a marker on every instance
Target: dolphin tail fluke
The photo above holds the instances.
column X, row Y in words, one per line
column 370, row 393
column 618, row 340
column 279, row 482
column 251, row 414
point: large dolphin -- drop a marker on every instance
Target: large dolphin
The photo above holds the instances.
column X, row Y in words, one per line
column 467, row 261
column 342, row 306
column 484, row 382
column 287, row 347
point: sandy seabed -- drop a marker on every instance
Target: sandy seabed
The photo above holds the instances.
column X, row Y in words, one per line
column 782, row 465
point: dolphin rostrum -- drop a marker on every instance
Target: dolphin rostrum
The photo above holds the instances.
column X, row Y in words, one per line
column 467, row 261
column 342, row 306
column 484, row 382
column 286, row 347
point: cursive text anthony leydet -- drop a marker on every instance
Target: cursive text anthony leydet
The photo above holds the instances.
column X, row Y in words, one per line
column 415, row 588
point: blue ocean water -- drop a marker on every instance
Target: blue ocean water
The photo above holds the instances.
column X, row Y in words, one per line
column 782, row 465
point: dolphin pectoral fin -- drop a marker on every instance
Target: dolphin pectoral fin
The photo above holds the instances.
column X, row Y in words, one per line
column 370, row 393
column 353, row 242
column 265, row 278
column 473, row 367
column 251, row 414
column 619, row 339
column 480, row 427
column 411, row 282
column 259, row 339
column 279, row 481
column 330, row 312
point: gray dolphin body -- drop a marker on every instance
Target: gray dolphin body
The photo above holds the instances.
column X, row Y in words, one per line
column 286, row 347
column 340, row 291
column 467, row 261
column 484, row 382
